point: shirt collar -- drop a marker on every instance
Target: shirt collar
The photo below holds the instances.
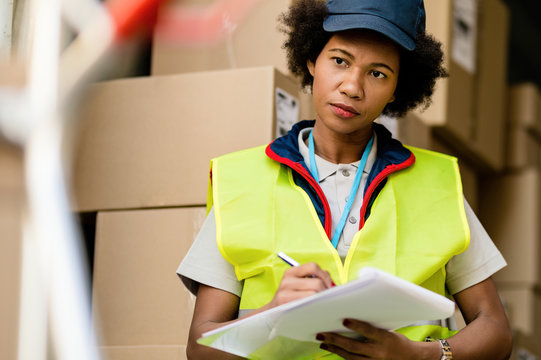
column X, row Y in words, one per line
column 326, row 168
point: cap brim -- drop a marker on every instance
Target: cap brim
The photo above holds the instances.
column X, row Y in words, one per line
column 341, row 22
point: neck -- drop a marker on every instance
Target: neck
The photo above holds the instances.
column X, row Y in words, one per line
column 341, row 148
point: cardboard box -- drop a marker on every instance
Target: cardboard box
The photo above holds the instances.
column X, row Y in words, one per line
column 144, row 352
column 468, row 108
column 523, row 148
column 11, row 204
column 139, row 303
column 255, row 41
column 147, row 142
column 524, row 126
column 524, row 106
column 525, row 347
column 510, row 212
column 523, row 306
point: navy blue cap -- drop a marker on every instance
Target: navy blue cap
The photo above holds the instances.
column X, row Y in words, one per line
column 400, row 20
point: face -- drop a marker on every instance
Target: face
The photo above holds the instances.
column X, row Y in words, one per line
column 355, row 77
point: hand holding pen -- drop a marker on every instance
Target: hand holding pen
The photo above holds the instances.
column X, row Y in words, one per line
column 300, row 281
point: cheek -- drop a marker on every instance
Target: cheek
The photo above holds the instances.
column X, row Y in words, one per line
column 317, row 87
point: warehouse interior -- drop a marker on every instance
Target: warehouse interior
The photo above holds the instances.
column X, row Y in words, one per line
column 143, row 123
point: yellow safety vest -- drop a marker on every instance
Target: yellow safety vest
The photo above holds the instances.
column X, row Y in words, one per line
column 416, row 224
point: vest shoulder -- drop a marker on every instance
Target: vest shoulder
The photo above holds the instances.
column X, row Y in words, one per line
column 430, row 154
column 250, row 153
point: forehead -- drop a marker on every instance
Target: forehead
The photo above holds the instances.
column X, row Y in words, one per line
column 363, row 41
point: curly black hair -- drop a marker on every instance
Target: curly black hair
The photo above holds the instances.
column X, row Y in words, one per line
column 419, row 69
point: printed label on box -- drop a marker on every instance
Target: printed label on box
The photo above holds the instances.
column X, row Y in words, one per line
column 464, row 45
column 287, row 111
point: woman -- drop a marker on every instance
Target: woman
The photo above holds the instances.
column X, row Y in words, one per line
column 339, row 193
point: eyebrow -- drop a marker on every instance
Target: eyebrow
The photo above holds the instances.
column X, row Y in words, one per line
column 348, row 54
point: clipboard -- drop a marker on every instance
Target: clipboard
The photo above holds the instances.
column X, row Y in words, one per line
column 377, row 297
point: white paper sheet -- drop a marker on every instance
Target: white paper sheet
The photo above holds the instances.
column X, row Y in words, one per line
column 384, row 300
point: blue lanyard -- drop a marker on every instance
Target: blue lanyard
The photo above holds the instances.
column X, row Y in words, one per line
column 354, row 187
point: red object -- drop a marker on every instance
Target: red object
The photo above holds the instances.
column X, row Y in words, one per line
column 202, row 25
column 130, row 16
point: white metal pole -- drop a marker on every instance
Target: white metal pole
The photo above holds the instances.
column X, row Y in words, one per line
column 53, row 229
column 6, row 24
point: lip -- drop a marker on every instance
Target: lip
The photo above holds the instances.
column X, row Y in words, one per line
column 343, row 110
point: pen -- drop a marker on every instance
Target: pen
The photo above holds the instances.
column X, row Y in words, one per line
column 287, row 259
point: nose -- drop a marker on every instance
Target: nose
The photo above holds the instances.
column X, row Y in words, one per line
column 352, row 84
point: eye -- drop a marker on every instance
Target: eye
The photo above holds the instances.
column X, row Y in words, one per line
column 339, row 61
column 378, row 74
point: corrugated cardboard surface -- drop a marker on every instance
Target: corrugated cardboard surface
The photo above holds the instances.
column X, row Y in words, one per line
column 11, row 199
column 523, row 149
column 144, row 352
column 458, row 87
column 138, row 300
column 256, row 41
column 488, row 133
column 147, row 142
column 523, row 307
column 524, row 106
column 525, row 347
column 510, row 212
column 470, row 108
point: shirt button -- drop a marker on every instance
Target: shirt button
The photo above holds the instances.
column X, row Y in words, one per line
column 345, row 173
column 352, row 220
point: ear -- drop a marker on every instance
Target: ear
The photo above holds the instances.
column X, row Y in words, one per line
column 391, row 99
column 311, row 67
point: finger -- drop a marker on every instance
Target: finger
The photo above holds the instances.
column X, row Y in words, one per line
column 365, row 329
column 313, row 270
column 302, row 283
column 343, row 353
column 351, row 345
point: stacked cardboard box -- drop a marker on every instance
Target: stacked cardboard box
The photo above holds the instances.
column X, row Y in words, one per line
column 467, row 116
column 511, row 204
column 147, row 142
column 524, row 127
column 511, row 210
column 255, row 41
column 139, row 304
column 142, row 163
column 469, row 106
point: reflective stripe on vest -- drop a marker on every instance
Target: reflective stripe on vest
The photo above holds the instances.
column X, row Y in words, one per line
column 260, row 211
